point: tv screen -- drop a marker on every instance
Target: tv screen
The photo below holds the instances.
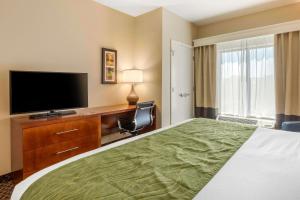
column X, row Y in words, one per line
column 46, row 91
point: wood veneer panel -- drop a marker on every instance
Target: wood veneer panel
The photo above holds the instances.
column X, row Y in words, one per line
column 35, row 143
column 37, row 159
column 40, row 136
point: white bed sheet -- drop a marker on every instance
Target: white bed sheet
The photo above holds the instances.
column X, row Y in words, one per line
column 266, row 167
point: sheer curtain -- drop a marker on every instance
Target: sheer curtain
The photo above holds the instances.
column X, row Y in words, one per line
column 246, row 77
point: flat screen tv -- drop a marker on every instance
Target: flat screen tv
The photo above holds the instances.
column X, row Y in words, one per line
column 47, row 91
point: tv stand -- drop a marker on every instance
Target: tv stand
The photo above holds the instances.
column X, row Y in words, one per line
column 52, row 113
column 37, row 144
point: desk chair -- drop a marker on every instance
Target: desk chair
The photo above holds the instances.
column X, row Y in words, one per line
column 142, row 118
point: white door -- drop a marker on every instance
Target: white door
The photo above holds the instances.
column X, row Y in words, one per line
column 182, row 82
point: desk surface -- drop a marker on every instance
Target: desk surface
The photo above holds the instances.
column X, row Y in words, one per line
column 81, row 113
column 109, row 110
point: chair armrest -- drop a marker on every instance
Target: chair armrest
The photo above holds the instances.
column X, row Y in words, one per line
column 148, row 107
column 293, row 126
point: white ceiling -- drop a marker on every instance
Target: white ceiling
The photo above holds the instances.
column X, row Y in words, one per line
column 197, row 11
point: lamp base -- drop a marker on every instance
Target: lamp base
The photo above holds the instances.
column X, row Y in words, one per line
column 132, row 98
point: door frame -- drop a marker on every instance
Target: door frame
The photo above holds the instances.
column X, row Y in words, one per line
column 173, row 42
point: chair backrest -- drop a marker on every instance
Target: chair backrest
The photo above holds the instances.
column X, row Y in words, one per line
column 143, row 114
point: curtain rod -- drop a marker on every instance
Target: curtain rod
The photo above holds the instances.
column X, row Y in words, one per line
column 254, row 32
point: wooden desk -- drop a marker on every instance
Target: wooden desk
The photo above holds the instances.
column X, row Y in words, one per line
column 38, row 143
column 109, row 122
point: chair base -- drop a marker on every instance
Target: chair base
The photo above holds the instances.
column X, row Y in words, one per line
column 130, row 132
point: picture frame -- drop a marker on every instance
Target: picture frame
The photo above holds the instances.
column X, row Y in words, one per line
column 109, row 66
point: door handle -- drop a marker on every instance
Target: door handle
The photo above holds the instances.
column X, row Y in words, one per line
column 184, row 94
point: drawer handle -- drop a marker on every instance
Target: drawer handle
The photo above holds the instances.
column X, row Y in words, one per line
column 68, row 131
column 65, row 151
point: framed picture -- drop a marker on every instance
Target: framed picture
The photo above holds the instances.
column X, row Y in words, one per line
column 109, row 66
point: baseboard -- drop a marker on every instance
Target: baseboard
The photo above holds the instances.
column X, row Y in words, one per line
column 6, row 177
column 12, row 176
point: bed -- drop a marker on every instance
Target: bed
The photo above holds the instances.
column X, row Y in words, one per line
column 196, row 159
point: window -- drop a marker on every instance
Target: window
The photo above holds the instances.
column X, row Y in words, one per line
column 246, row 78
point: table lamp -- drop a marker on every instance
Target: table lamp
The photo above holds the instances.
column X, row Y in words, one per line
column 132, row 76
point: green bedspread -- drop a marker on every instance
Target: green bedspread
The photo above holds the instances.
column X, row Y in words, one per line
column 173, row 164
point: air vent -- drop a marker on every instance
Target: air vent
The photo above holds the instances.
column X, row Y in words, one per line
column 251, row 121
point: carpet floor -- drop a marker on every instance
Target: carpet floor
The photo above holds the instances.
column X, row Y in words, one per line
column 6, row 187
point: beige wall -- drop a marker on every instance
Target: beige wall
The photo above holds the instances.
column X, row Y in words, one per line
column 68, row 35
column 269, row 17
column 61, row 35
column 174, row 28
column 148, row 56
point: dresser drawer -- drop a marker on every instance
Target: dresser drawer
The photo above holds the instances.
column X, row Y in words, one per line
column 41, row 136
column 37, row 159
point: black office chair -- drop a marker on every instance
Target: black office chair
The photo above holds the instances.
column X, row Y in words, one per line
column 142, row 118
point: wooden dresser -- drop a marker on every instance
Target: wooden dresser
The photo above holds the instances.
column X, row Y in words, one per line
column 39, row 143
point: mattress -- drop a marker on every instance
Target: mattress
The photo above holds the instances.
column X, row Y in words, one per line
column 266, row 167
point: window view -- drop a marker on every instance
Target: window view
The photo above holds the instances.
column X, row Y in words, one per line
column 246, row 78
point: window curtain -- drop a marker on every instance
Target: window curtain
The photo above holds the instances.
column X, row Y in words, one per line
column 287, row 72
column 205, row 81
column 245, row 77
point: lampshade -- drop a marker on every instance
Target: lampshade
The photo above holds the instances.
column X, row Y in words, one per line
column 132, row 76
